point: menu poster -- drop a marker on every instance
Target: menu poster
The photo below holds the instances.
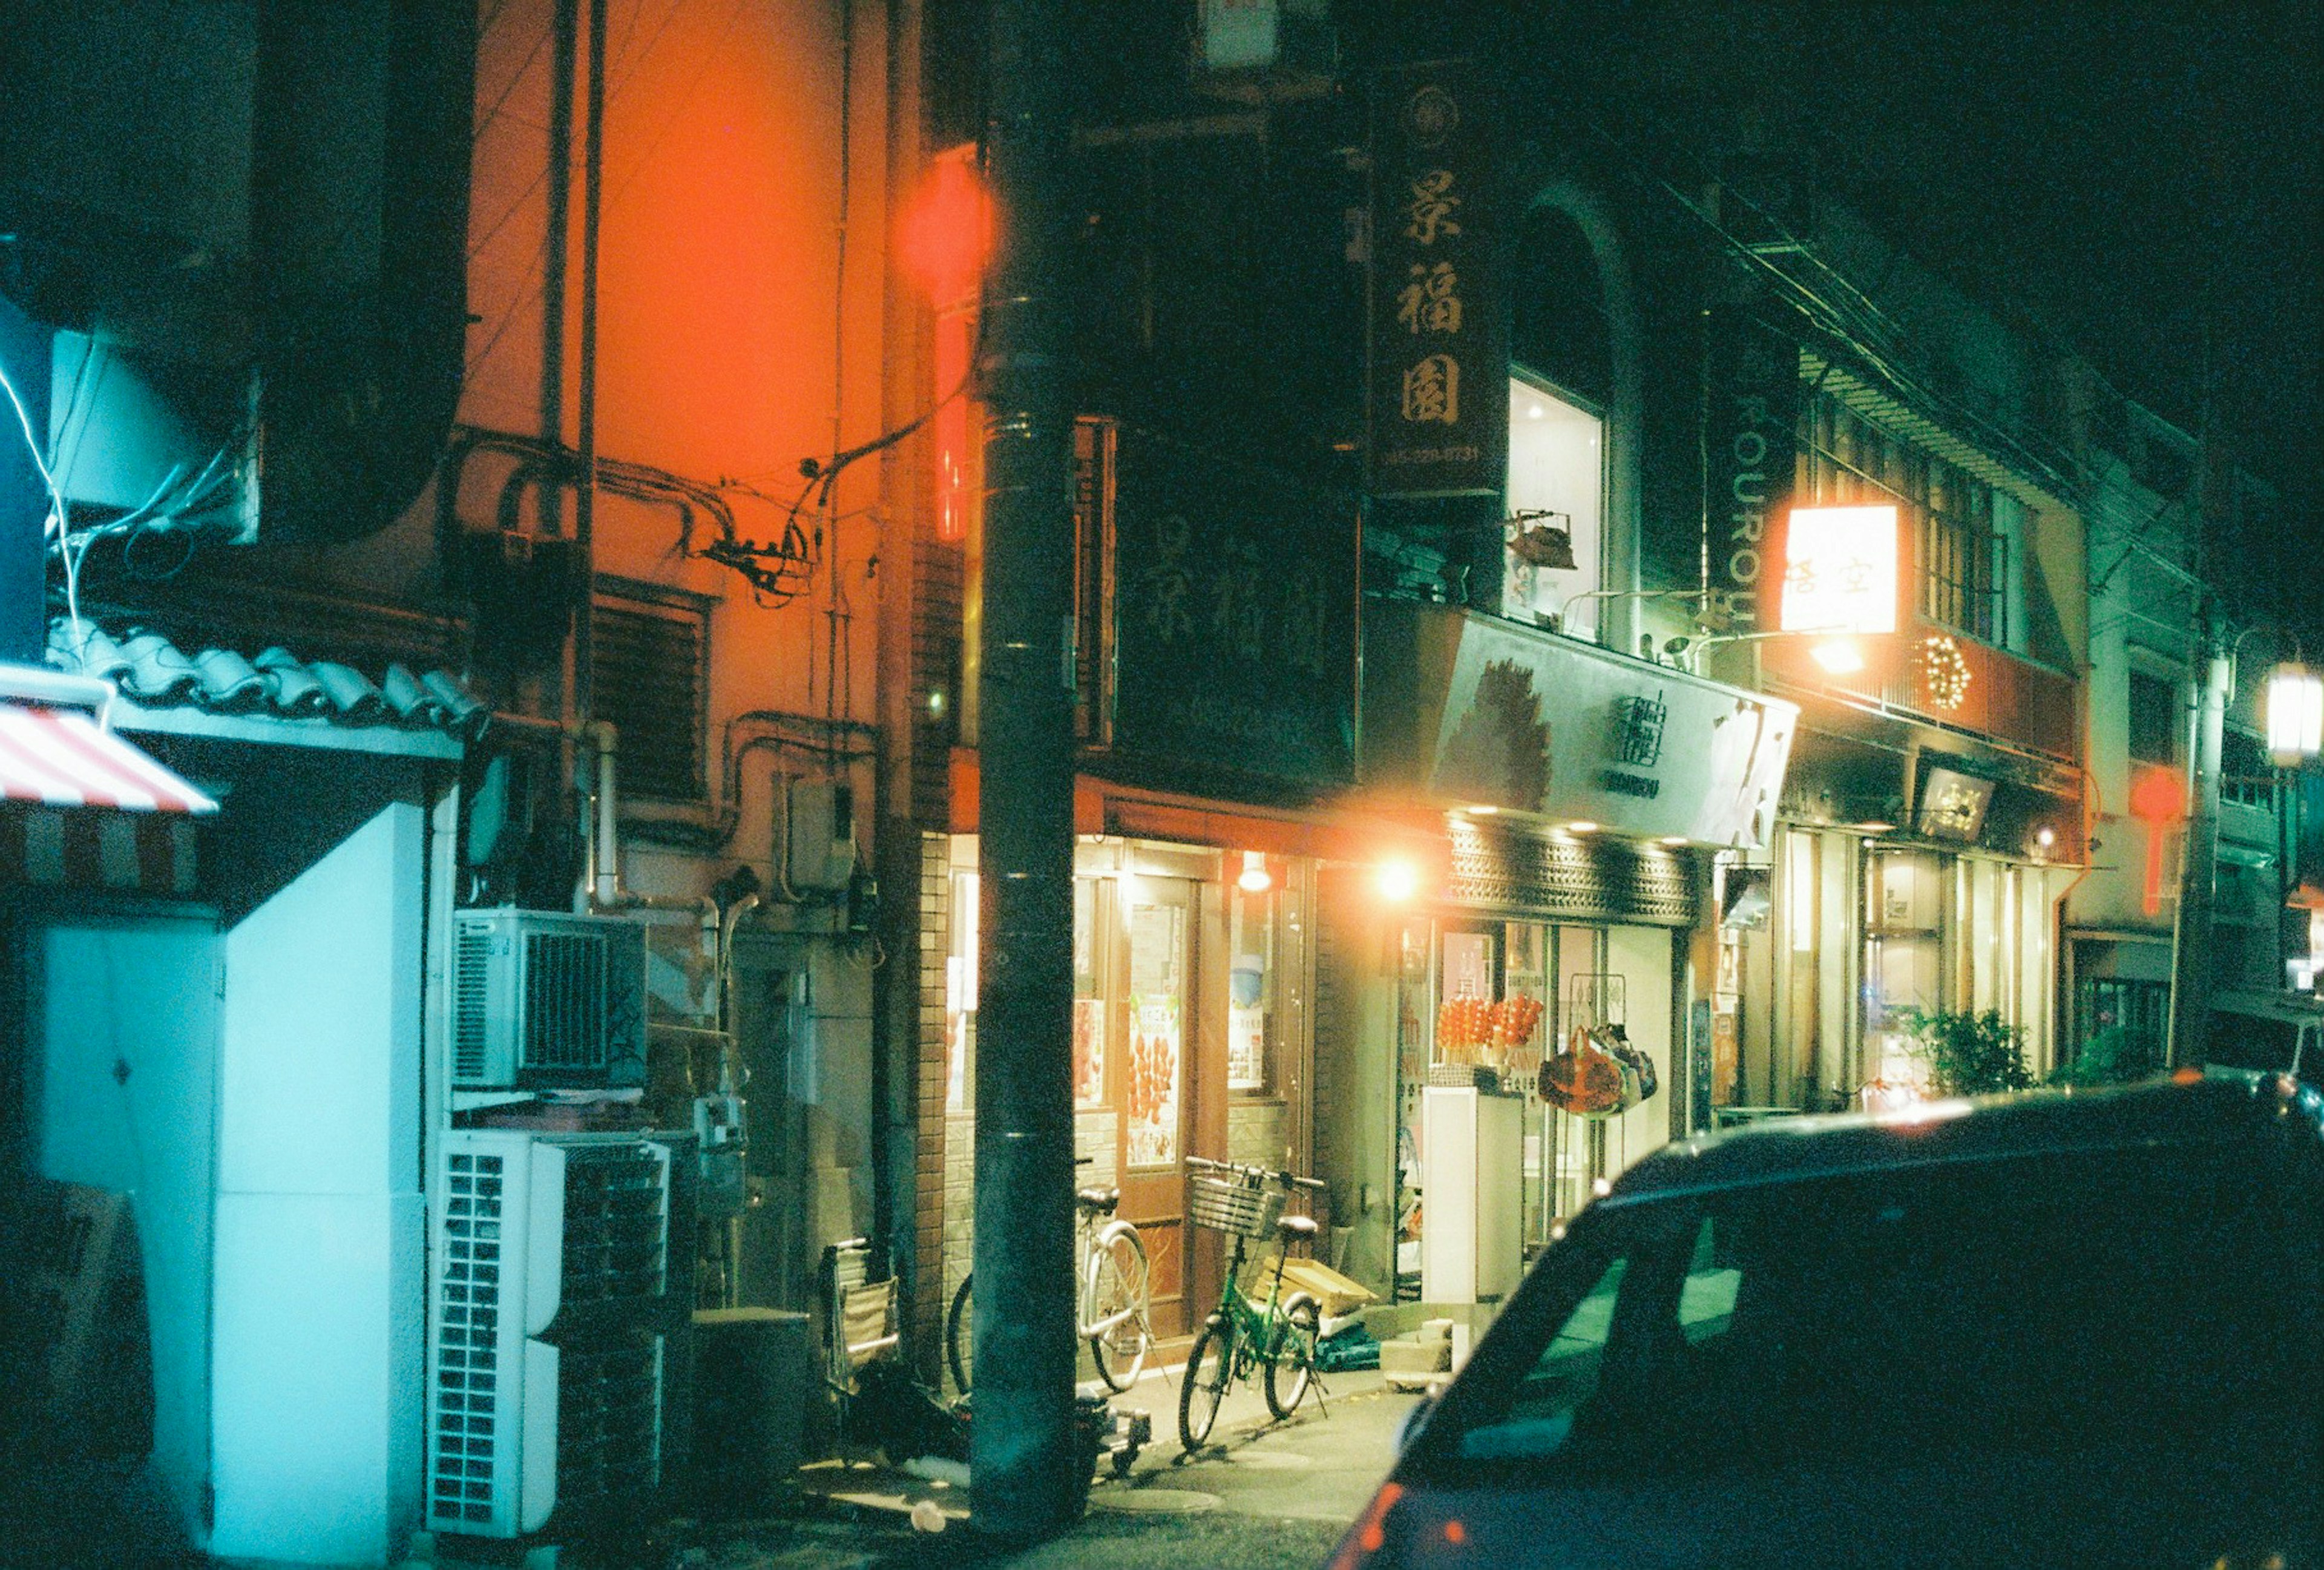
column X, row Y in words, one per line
column 1089, row 1051
column 1152, row 1097
column 1246, row 1049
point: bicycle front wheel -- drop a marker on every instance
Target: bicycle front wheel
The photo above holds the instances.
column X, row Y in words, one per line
column 960, row 1337
column 1293, row 1367
column 1203, row 1385
column 1113, row 1305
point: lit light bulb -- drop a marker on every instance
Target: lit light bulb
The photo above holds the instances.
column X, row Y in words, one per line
column 1254, row 877
column 1398, row 882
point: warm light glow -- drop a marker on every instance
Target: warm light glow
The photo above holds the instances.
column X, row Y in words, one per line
column 1601, row 1187
column 1254, row 877
column 1838, row 657
column 1582, row 826
column 2295, row 713
column 1484, row 809
column 1398, row 882
column 2046, row 837
column 1839, row 570
column 948, row 231
column 1876, row 826
column 1674, row 839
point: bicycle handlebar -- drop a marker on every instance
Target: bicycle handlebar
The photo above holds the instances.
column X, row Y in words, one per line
column 1264, row 1174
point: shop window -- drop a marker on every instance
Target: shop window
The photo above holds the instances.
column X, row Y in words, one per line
column 960, row 995
column 1089, row 999
column 1556, row 489
column 2154, row 719
column 1904, row 893
column 1252, row 988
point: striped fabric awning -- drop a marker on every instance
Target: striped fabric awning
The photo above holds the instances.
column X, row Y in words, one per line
column 60, row 756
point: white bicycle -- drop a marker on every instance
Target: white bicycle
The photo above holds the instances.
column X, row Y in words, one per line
column 1110, row 1312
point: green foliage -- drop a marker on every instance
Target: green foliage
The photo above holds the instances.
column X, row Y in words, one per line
column 1968, row 1053
column 2116, row 1055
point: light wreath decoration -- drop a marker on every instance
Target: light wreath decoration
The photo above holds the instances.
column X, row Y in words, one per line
column 1945, row 671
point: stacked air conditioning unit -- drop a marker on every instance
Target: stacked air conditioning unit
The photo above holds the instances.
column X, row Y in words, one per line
column 556, row 1366
column 542, row 999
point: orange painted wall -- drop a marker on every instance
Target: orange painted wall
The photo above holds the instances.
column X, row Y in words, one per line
column 732, row 344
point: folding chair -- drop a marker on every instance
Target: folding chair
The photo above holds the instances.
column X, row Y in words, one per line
column 858, row 1319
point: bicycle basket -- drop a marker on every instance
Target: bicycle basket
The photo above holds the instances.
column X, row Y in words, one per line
column 1249, row 1208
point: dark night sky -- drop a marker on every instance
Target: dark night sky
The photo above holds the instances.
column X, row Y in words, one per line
column 2126, row 168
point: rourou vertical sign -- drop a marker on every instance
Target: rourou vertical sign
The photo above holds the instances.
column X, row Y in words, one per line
column 1750, row 415
column 1440, row 393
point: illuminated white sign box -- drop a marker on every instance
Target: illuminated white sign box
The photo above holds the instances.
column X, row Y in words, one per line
column 1839, row 570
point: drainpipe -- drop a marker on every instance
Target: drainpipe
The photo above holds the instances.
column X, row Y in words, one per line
column 602, row 878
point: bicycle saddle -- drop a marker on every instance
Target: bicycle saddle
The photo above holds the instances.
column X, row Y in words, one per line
column 1296, row 1228
column 1098, row 1201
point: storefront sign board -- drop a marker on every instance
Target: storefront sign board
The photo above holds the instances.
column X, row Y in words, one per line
column 1233, row 615
column 1440, row 393
column 1751, row 405
column 1537, row 724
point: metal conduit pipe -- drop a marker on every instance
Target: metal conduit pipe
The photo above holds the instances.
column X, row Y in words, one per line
column 604, row 872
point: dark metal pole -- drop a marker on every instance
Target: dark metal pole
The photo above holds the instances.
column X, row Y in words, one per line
column 1025, row 1481
column 2191, row 964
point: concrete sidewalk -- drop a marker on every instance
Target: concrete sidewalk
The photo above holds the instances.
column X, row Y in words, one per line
column 1261, row 1493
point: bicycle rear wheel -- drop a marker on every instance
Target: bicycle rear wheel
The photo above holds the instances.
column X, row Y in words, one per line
column 1113, row 1305
column 1202, row 1384
column 960, row 1337
column 1293, row 1367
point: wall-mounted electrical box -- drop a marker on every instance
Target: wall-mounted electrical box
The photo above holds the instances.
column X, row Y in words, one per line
column 821, row 842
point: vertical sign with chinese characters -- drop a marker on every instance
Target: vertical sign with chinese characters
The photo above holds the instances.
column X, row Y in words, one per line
column 1751, row 404
column 1233, row 637
column 1440, row 396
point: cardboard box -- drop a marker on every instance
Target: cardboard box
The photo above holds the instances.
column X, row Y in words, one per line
column 1334, row 1292
column 1415, row 1357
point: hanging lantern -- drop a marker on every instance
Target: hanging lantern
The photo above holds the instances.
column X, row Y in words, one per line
column 2295, row 713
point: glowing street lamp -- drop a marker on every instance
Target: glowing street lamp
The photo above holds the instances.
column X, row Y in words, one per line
column 2295, row 713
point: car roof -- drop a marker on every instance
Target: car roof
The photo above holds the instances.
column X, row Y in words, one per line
column 2216, row 1107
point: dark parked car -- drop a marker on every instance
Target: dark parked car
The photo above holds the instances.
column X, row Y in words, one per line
column 2063, row 1329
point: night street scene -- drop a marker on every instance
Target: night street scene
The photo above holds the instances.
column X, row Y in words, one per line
column 1212, row 784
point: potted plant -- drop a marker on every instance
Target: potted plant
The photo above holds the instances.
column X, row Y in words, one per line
column 1968, row 1053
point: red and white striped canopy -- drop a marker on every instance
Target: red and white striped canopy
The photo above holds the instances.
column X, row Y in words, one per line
column 61, row 757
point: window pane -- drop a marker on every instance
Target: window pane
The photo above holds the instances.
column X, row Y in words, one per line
column 1540, row 1414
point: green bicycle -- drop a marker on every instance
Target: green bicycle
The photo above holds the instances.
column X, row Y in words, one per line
column 1279, row 1336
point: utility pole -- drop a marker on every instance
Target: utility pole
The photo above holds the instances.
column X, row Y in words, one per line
column 2191, row 949
column 1025, row 1480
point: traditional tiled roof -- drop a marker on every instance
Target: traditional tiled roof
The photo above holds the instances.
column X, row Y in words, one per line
column 155, row 673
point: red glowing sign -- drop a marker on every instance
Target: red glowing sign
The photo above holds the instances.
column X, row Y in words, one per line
column 945, row 242
column 2158, row 798
column 948, row 231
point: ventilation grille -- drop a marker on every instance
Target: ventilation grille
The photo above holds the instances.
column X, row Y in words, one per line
column 609, row 1416
column 648, row 663
column 565, row 1024
column 469, row 1375
column 472, row 969
column 615, row 1220
column 1591, row 880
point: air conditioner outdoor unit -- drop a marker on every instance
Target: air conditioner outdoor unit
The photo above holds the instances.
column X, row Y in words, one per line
column 543, row 999
column 549, row 1368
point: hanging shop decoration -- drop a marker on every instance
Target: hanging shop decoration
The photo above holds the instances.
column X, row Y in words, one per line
column 1944, row 673
column 1597, row 1073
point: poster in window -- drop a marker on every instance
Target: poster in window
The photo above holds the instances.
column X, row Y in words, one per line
column 1246, row 1049
column 1089, row 1051
column 1152, row 1095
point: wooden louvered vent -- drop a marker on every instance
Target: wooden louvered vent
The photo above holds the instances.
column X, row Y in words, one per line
column 651, row 664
